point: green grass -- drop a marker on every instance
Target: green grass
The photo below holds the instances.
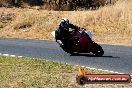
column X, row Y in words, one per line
column 35, row 73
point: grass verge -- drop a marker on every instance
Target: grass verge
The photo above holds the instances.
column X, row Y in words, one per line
column 109, row 24
column 36, row 73
column 27, row 72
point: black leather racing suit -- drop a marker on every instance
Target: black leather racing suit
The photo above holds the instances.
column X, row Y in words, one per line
column 62, row 34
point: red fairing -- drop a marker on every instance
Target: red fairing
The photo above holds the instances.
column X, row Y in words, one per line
column 81, row 43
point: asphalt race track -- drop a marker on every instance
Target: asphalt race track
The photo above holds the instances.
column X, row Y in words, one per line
column 116, row 58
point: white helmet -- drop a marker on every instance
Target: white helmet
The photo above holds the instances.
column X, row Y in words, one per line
column 64, row 21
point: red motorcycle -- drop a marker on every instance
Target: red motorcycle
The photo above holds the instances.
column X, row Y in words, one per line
column 81, row 42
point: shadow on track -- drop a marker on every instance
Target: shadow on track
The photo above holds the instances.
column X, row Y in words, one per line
column 92, row 55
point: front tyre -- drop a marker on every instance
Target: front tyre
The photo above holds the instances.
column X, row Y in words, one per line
column 98, row 51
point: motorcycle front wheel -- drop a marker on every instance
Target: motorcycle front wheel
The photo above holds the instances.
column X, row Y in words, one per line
column 98, row 51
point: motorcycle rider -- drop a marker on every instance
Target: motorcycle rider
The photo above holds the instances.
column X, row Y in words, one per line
column 62, row 33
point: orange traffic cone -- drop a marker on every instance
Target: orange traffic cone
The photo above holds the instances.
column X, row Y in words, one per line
column 81, row 71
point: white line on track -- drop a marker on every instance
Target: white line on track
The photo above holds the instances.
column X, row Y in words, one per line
column 67, row 63
column 11, row 55
column 5, row 54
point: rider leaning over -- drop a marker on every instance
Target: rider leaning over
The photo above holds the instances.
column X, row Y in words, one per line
column 62, row 32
